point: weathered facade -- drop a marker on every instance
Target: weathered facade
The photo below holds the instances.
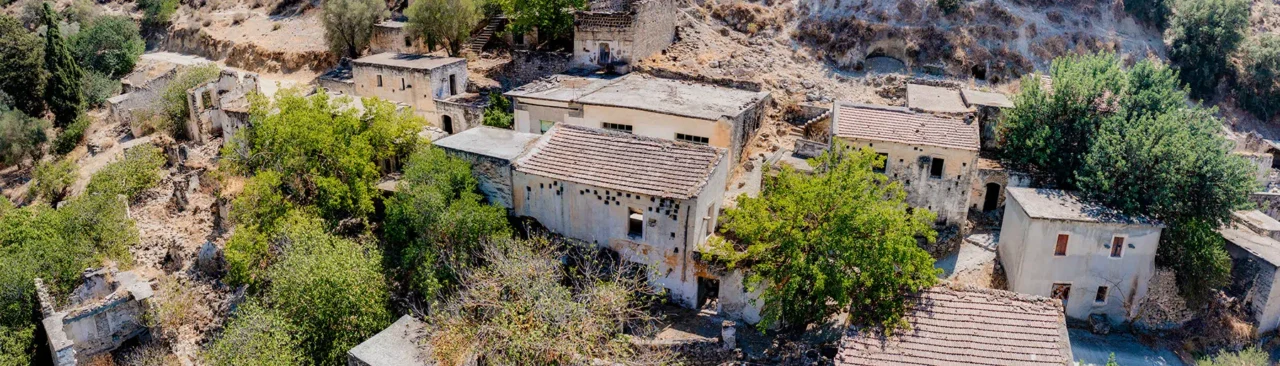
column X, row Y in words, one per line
column 643, row 105
column 952, row 324
column 614, row 34
column 1094, row 259
column 652, row 201
column 934, row 157
column 220, row 108
column 104, row 312
column 490, row 152
column 419, row 81
column 394, row 36
column 988, row 188
column 1255, row 266
column 141, row 89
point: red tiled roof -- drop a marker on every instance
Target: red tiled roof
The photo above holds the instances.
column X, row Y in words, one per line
column 953, row 325
column 901, row 125
column 622, row 161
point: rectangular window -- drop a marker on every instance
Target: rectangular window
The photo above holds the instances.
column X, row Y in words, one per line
column 635, row 224
column 406, row 42
column 403, row 84
column 1061, row 248
column 1101, row 297
column 546, row 125
column 1061, row 291
column 692, row 138
column 1117, row 246
column 883, row 163
column 453, row 84
column 935, row 168
column 379, row 80
column 617, row 127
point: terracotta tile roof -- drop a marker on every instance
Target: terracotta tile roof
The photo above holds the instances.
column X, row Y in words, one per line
column 621, row 161
column 960, row 325
column 901, row 125
column 588, row 19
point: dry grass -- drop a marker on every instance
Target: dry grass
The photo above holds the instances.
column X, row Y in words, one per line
column 171, row 308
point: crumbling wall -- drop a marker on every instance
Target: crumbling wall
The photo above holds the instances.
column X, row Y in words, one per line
column 1267, row 202
column 746, row 124
column 464, row 114
column 104, row 312
column 528, row 66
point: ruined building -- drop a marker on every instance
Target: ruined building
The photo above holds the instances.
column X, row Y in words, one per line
column 1255, row 266
column 103, row 313
column 220, row 108
column 435, row 87
column 1096, row 260
column 643, row 105
column 934, row 157
column 393, row 36
column 652, row 201
column 614, row 34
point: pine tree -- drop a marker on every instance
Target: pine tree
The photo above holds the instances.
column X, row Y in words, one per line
column 63, row 93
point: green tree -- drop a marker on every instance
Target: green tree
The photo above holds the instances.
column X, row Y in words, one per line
column 440, row 220
column 1203, row 34
column 1111, row 360
column 551, row 18
column 348, row 24
column 52, row 178
column 157, row 12
column 109, row 45
column 62, row 94
column 173, row 99
column 99, row 87
column 1259, row 76
column 71, row 136
column 248, row 254
column 80, row 11
column 1153, row 12
column 843, row 238
column 21, row 66
column 256, row 336
column 443, row 22
column 20, row 136
column 331, row 288
column 498, row 113
column 1251, row 356
column 137, row 172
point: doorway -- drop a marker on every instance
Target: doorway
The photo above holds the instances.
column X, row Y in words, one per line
column 447, row 123
column 992, row 198
column 603, row 58
column 708, row 294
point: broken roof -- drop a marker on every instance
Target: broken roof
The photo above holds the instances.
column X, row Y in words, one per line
column 987, row 99
column 901, row 125
column 622, row 161
column 488, row 141
column 935, row 99
column 1257, row 219
column 407, row 61
column 1056, row 204
column 1259, row 245
column 965, row 325
column 643, row 92
column 589, row 19
column 398, row 345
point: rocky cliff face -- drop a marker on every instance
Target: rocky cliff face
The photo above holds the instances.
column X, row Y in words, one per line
column 245, row 55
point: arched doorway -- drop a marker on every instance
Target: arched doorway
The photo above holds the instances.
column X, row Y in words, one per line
column 447, row 123
column 992, row 198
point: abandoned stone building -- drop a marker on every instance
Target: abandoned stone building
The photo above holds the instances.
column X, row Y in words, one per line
column 1255, row 266
column 934, row 157
column 490, row 151
column 987, row 194
column 963, row 325
column 220, row 108
column 984, row 106
column 142, row 87
column 393, row 36
column 435, row 87
column 643, row 105
column 614, row 34
column 105, row 311
column 1096, row 260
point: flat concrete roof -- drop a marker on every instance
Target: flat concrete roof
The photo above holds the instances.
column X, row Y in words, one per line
column 989, row 99
column 1260, row 246
column 398, row 345
column 935, row 99
column 407, row 60
column 1258, row 219
column 1056, row 204
column 645, row 92
column 489, row 141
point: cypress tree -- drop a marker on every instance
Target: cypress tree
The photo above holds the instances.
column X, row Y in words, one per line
column 63, row 94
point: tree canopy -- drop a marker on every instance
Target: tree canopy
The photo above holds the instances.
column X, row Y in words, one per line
column 551, row 18
column 109, row 44
column 348, row 24
column 1259, row 76
column 443, row 22
column 21, row 67
column 63, row 93
column 498, row 113
column 1203, row 35
column 841, row 238
column 21, row 136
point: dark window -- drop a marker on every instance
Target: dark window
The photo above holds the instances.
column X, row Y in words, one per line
column 1061, row 291
column 1061, row 248
column 379, row 80
column 883, row 164
column 453, row 84
column 517, row 38
column 935, row 168
column 635, row 224
column 403, row 84
column 1117, row 246
column 617, row 127
column 406, row 42
column 1101, row 297
column 693, row 139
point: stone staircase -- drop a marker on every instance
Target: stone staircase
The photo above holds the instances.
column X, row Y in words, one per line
column 482, row 38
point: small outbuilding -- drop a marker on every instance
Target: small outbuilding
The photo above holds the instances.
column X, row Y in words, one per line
column 614, row 34
column 1255, row 266
column 490, row 151
column 421, row 81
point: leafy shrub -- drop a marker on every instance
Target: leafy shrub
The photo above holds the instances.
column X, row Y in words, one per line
column 1259, row 76
column 20, row 136
column 71, row 136
column 256, row 335
column 138, row 172
column 261, row 203
column 157, row 12
column 51, row 179
column 21, row 66
column 1246, row 357
column 247, row 258
column 173, row 99
column 80, row 11
column 1153, row 12
column 98, row 88
column 109, row 45
column 1203, row 34
column 348, row 24
column 498, row 113
column 443, row 22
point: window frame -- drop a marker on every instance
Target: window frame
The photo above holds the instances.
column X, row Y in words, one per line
column 618, row 127
column 545, row 125
column 941, row 167
column 1066, row 297
column 635, row 227
column 884, row 168
column 693, row 139
column 1065, row 244
column 1117, row 251
column 1103, row 291
column 379, row 81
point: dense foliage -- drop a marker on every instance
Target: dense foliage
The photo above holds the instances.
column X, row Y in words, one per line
column 173, row 99
column 1259, row 76
column 63, row 92
column 819, row 244
column 21, row 136
column 51, row 179
column 348, row 24
column 439, row 220
column 1203, row 35
column 157, row 12
column 71, row 136
column 498, row 113
column 109, row 45
column 551, row 18
column 1153, row 12
column 256, row 336
column 99, row 87
column 21, row 66
column 1127, row 139
column 80, row 11
column 443, row 22
column 1245, row 357
column 137, row 172
column 327, row 154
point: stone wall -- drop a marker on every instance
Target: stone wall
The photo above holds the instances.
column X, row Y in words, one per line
column 103, row 313
column 528, row 66
column 1267, row 202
